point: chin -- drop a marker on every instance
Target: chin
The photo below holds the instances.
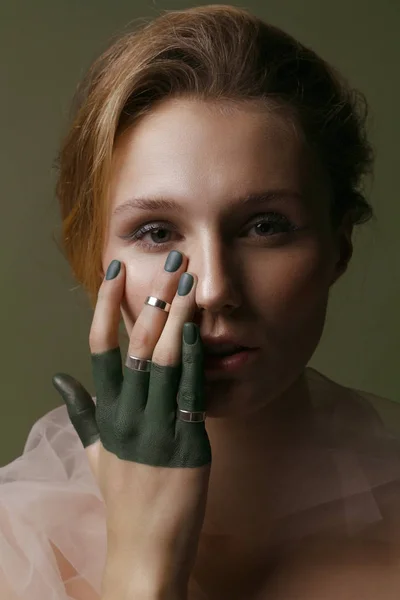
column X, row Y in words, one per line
column 241, row 398
column 230, row 398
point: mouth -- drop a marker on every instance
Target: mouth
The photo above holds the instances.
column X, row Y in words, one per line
column 228, row 360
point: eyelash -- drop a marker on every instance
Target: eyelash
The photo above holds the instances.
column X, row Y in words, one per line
column 137, row 235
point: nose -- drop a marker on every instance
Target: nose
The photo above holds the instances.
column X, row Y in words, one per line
column 218, row 276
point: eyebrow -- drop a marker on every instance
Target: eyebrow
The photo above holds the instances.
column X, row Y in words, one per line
column 170, row 205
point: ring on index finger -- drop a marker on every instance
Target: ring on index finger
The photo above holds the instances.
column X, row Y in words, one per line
column 138, row 364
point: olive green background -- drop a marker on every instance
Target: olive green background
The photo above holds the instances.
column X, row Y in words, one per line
column 46, row 45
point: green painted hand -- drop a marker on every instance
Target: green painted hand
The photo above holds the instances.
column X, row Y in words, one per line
column 152, row 468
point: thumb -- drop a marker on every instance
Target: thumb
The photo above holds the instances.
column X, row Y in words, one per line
column 80, row 406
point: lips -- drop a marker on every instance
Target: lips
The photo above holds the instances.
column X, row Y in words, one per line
column 231, row 364
column 223, row 350
column 226, row 341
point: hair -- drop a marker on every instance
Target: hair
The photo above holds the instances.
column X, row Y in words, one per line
column 215, row 53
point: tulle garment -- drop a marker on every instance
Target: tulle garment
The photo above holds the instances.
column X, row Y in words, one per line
column 50, row 501
column 49, row 495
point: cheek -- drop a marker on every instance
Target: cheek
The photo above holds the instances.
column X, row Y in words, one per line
column 294, row 288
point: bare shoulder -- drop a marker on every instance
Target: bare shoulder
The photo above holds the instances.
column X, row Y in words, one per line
column 337, row 570
column 388, row 411
column 365, row 564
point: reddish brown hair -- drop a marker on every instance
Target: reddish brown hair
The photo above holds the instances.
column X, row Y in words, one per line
column 214, row 53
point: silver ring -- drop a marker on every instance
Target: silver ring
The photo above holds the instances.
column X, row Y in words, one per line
column 191, row 417
column 137, row 364
column 157, row 303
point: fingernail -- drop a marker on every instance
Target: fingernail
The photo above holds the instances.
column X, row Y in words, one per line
column 190, row 333
column 113, row 269
column 173, row 262
column 185, row 284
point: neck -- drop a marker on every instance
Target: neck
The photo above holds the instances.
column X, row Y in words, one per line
column 244, row 460
column 254, row 432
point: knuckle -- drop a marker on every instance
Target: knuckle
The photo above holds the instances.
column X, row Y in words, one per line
column 157, row 369
column 102, row 338
column 189, row 358
column 164, row 356
column 174, row 320
column 103, row 343
column 181, row 307
column 141, row 336
column 185, row 395
column 169, row 347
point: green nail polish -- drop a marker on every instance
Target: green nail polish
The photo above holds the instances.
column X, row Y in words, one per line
column 173, row 262
column 113, row 269
column 190, row 333
column 185, row 284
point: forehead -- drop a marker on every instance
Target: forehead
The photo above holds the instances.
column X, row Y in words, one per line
column 193, row 149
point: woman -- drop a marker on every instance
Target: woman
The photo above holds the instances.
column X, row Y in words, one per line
column 216, row 464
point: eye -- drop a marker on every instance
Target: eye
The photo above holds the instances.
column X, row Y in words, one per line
column 153, row 229
column 270, row 224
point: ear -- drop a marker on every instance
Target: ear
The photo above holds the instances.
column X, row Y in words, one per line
column 344, row 247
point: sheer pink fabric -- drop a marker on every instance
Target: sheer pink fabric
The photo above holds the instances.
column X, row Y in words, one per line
column 49, row 496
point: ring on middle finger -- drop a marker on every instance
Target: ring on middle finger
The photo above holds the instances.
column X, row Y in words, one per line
column 158, row 303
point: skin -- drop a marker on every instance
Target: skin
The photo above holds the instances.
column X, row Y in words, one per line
column 270, row 288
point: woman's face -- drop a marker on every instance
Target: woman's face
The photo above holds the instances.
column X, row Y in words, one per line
column 264, row 267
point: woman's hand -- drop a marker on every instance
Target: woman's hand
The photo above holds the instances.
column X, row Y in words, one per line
column 152, row 468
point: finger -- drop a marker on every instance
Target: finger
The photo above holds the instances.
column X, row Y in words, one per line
column 103, row 337
column 144, row 336
column 167, row 355
column 168, row 350
column 191, row 436
column 151, row 320
column 191, row 396
column 104, row 330
column 80, row 407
